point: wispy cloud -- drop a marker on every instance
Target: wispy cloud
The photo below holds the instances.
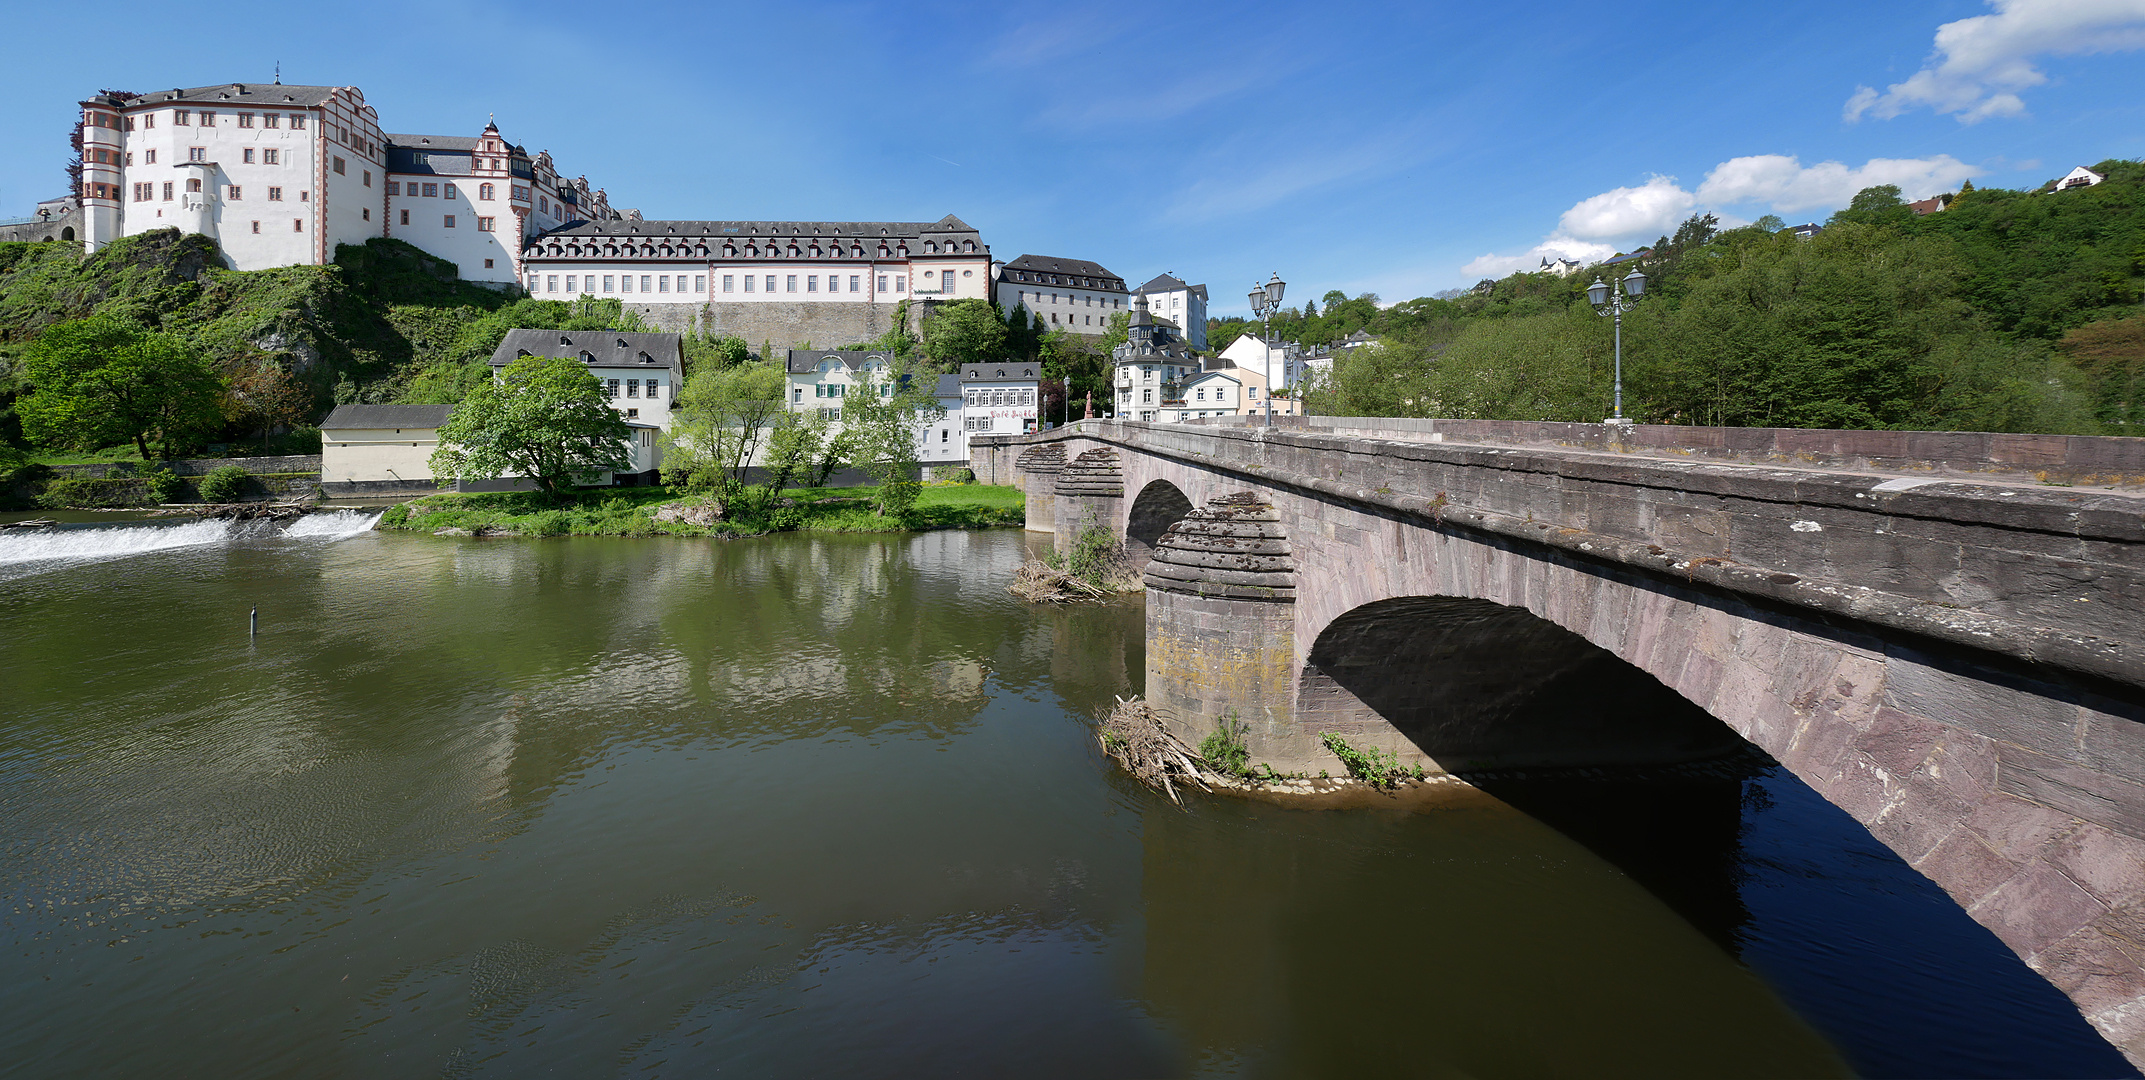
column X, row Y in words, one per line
column 1981, row 64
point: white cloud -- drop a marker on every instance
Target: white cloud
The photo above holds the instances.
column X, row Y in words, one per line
column 1652, row 209
column 1497, row 266
column 1982, row 63
column 1788, row 187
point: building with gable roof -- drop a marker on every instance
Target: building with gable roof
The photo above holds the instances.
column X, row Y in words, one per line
column 1150, row 367
column 278, row 175
column 1001, row 398
column 641, row 374
column 1168, row 297
column 1073, row 294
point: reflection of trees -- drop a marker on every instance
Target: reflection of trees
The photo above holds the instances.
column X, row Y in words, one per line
column 1471, row 938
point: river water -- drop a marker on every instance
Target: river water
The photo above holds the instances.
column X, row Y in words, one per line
column 830, row 806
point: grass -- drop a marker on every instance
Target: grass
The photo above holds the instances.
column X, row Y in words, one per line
column 631, row 512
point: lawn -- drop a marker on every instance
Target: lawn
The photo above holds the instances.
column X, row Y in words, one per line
column 631, row 512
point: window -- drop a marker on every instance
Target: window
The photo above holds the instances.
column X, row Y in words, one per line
column 297, row 122
column 141, row 192
column 644, row 283
column 305, row 196
column 729, row 282
column 148, row 157
column 770, row 283
column 551, row 283
column 208, row 119
column 182, row 117
column 394, row 187
column 431, row 191
column 901, row 283
column 625, row 283
column 167, row 191
column 256, row 226
column 450, row 220
column 248, row 156
column 633, row 388
column 297, row 224
column 193, row 185
column 486, row 192
column 270, row 120
column 245, row 119
column 612, row 387
column 368, row 177
column 233, row 193
column 749, row 279
column 339, row 171
column 882, row 283
column 853, row 282
column 197, row 153
column 449, row 192
column 663, row 282
column 487, row 264
column 570, row 279
column 271, row 157
column 485, row 224
column 532, row 282
column 521, row 194
column 811, row 283
column 607, row 283
column 700, row 283
column 405, row 218
column 791, row 283
column 148, row 121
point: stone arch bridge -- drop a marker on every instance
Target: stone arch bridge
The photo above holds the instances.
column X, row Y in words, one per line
column 1940, row 633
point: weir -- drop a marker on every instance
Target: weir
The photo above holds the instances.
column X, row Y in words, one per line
column 1943, row 634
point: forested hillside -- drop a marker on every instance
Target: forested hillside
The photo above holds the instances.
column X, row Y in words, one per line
column 2008, row 311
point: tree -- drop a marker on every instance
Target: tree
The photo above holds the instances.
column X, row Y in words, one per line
column 724, row 417
column 703, row 350
column 100, row 381
column 965, row 332
column 1879, row 205
column 888, row 426
column 793, row 447
column 265, row 396
column 544, row 418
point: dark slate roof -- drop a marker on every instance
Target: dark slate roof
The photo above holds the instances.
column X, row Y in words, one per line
column 1642, row 253
column 258, row 95
column 386, row 416
column 463, row 143
column 806, row 361
column 607, row 347
column 949, row 386
column 1010, row 369
column 1169, row 283
column 1051, row 264
column 744, row 230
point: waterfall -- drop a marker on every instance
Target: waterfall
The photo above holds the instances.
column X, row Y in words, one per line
column 103, row 543
column 333, row 525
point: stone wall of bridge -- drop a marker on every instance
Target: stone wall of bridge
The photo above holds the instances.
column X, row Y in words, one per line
column 1956, row 665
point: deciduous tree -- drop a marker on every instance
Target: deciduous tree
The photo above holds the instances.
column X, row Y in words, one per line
column 544, row 418
column 99, row 381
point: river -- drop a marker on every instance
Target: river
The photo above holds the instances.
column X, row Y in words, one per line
column 830, row 806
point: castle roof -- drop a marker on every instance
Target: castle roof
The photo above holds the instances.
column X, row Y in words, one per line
column 764, row 230
column 259, row 95
column 1171, row 283
column 1098, row 276
column 606, row 348
column 375, row 417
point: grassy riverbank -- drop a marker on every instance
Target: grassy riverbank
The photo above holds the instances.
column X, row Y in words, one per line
column 632, row 512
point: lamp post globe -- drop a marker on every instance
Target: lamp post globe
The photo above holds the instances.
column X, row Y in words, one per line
column 1258, row 299
column 1634, row 284
column 1274, row 288
column 1597, row 294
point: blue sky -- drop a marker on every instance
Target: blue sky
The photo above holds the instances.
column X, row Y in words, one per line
column 1391, row 149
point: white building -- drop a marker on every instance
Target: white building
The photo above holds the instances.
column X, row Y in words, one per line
column 815, row 263
column 2078, row 178
column 1150, row 367
column 1208, row 393
column 1268, row 363
column 475, row 200
column 641, row 374
column 1001, row 398
column 1077, row 295
column 824, row 380
column 379, row 447
column 279, row 175
column 1560, row 266
column 946, row 440
column 1168, row 297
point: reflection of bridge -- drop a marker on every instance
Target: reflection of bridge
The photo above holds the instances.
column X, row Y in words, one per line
column 1936, row 632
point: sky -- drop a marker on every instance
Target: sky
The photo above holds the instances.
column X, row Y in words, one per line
column 1390, row 149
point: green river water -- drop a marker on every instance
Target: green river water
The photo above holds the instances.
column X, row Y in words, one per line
column 818, row 806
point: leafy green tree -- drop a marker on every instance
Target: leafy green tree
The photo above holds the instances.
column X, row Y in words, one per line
column 888, row 428
column 100, row 381
column 544, row 418
column 965, row 332
column 794, row 443
column 1879, row 205
column 723, row 419
column 704, row 350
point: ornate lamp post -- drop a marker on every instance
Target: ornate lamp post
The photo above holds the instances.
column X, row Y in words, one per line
column 1598, row 294
column 1265, row 301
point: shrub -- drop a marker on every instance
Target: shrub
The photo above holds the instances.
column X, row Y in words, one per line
column 87, row 494
column 165, row 485
column 1224, row 751
column 225, row 483
column 1382, row 768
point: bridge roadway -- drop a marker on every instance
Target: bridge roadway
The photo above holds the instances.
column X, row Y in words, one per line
column 1940, row 633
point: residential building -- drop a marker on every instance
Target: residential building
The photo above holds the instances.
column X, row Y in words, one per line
column 1807, row 230
column 821, row 380
column 1074, row 294
column 1206, row 394
column 1151, row 366
column 279, row 175
column 1001, row 398
column 2080, row 177
column 641, row 374
column 1932, row 205
column 945, row 440
column 1560, row 266
column 1274, row 363
column 1168, row 297
column 1319, row 365
column 373, row 448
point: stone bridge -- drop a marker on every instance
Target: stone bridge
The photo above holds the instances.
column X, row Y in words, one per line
column 1940, row 633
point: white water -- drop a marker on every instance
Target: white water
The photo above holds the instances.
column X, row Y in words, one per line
column 21, row 547
column 334, row 525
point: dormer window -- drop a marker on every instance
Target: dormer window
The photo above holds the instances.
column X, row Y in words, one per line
column 622, row 343
column 564, row 340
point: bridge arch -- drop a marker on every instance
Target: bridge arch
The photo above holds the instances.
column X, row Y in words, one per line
column 1158, row 506
column 1462, row 684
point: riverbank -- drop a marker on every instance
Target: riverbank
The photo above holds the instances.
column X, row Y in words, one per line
column 642, row 512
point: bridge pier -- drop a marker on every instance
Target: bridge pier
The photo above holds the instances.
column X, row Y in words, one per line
column 1036, row 474
column 1090, row 489
column 1221, row 616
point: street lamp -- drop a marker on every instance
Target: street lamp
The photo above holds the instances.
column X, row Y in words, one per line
column 1598, row 294
column 1265, row 301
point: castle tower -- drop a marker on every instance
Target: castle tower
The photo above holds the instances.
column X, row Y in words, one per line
column 103, row 162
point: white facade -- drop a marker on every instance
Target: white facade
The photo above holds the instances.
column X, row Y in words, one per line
column 825, row 380
column 2078, row 178
column 279, row 175
column 1070, row 294
column 1001, row 398
column 380, row 444
column 1211, row 393
column 1283, row 362
column 1168, row 297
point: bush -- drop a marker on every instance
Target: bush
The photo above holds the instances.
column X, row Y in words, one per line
column 1381, row 768
column 225, row 483
column 1224, row 751
column 164, row 485
column 88, row 494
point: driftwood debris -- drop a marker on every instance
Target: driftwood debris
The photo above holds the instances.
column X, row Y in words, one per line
column 246, row 511
column 1133, row 737
column 1039, row 583
column 33, row 523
